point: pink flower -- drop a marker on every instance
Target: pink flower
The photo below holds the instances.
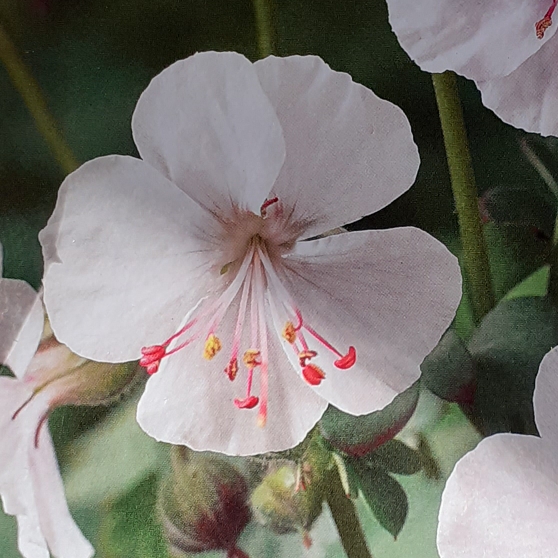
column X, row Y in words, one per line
column 30, row 482
column 198, row 258
column 507, row 47
column 502, row 498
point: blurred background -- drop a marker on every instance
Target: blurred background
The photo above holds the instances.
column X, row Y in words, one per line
column 92, row 59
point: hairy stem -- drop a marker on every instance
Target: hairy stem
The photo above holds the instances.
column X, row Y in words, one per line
column 33, row 98
column 475, row 257
column 264, row 27
column 346, row 518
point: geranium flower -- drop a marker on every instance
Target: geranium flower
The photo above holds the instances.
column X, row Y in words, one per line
column 507, row 48
column 502, row 498
column 30, row 482
column 198, row 259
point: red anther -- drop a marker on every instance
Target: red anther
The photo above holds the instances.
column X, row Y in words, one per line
column 313, row 374
column 151, row 358
column 248, row 403
column 266, row 204
column 232, row 369
column 346, row 361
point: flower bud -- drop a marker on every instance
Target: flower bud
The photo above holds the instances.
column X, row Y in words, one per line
column 288, row 499
column 67, row 379
column 203, row 504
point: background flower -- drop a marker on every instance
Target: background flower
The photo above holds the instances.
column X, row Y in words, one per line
column 30, row 483
column 502, row 498
column 494, row 43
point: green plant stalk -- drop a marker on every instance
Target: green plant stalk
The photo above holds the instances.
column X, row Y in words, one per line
column 475, row 257
column 34, row 100
column 264, row 27
column 345, row 517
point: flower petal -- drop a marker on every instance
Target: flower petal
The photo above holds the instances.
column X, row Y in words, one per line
column 21, row 324
column 527, row 98
column 479, row 40
column 190, row 402
column 206, row 124
column 349, row 153
column 501, row 501
column 125, row 251
column 546, row 394
column 390, row 294
column 30, row 481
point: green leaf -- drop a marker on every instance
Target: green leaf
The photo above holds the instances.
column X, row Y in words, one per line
column 109, row 460
column 130, row 528
column 507, row 349
column 384, row 496
column 395, row 457
column 449, row 371
column 359, row 435
column 534, row 285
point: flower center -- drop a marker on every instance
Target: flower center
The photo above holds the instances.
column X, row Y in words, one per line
column 262, row 296
column 543, row 24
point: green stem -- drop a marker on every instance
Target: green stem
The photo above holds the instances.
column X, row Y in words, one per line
column 475, row 257
column 33, row 98
column 264, row 27
column 346, row 518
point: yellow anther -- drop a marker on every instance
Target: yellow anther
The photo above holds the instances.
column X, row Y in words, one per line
column 289, row 332
column 251, row 358
column 212, row 347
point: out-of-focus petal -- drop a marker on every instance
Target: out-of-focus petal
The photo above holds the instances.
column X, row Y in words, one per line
column 127, row 255
column 206, row 124
column 30, row 482
column 190, row 401
column 527, row 98
column 349, row 153
column 479, row 40
column 501, row 501
column 391, row 294
column 545, row 397
column 21, row 324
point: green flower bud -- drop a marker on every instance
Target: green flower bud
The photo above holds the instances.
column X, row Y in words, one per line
column 203, row 503
column 288, row 499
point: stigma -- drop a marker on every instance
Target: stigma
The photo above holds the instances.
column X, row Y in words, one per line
column 263, row 307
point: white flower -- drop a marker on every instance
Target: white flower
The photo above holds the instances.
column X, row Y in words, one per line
column 502, row 498
column 506, row 46
column 30, row 482
column 197, row 257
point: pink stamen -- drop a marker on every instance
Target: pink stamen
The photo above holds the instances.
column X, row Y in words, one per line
column 543, row 24
column 345, row 361
column 259, row 292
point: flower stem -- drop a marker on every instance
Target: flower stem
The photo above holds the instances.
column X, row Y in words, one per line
column 33, row 98
column 475, row 257
column 346, row 518
column 264, row 27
